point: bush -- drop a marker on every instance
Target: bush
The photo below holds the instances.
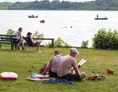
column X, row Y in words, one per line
column 84, row 44
column 10, row 32
column 58, row 43
column 105, row 39
column 49, row 45
column 36, row 34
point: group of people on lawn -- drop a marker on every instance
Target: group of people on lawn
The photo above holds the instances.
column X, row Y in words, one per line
column 64, row 67
column 20, row 39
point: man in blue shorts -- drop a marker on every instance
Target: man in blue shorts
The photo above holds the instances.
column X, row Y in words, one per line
column 68, row 68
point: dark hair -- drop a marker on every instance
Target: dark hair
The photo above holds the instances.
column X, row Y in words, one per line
column 29, row 33
column 20, row 28
column 57, row 51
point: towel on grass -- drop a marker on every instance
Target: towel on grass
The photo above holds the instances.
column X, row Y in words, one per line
column 37, row 76
column 47, row 79
column 56, row 80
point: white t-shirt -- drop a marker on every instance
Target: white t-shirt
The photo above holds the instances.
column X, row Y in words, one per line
column 17, row 35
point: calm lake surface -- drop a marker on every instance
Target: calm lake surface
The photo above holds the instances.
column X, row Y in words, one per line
column 72, row 26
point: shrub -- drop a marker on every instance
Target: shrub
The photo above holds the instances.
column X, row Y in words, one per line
column 37, row 35
column 10, row 32
column 105, row 39
column 58, row 43
column 84, row 44
column 49, row 45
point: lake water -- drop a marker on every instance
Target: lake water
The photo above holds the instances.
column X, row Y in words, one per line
column 72, row 26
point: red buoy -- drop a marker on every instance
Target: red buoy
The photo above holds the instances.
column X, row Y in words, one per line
column 42, row 21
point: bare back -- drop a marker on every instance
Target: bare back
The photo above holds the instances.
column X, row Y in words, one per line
column 66, row 64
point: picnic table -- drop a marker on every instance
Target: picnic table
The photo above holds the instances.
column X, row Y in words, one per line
column 7, row 39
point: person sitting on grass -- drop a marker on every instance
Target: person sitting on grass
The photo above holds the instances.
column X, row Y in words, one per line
column 68, row 68
column 53, row 64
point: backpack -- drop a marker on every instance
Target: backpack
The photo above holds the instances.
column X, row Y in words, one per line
column 43, row 68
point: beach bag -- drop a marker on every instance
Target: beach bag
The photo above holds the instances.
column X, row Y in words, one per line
column 43, row 68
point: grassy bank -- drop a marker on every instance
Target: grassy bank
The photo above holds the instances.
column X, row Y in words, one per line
column 21, row 61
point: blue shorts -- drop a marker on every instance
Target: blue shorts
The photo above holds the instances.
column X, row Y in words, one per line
column 72, row 77
column 52, row 74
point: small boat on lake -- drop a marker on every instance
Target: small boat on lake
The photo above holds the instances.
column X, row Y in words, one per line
column 98, row 18
column 101, row 18
column 32, row 16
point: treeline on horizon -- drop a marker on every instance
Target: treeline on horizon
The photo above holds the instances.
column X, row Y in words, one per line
column 61, row 5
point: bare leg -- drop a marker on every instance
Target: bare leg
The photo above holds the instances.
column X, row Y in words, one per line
column 72, row 71
column 38, row 45
column 82, row 75
column 22, row 43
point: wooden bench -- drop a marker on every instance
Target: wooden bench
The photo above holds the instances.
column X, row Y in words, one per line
column 7, row 39
column 52, row 39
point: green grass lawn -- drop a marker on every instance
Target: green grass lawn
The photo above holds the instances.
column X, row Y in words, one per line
column 21, row 61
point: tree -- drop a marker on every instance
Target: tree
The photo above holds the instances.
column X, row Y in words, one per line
column 37, row 35
column 10, row 32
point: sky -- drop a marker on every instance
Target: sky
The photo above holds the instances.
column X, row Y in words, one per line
column 39, row 0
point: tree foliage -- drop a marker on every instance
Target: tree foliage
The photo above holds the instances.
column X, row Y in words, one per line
column 106, row 39
column 10, row 32
column 36, row 34
column 84, row 44
column 58, row 43
column 61, row 5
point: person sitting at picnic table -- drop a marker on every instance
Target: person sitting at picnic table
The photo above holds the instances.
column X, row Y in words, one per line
column 67, row 65
column 31, row 42
column 53, row 64
column 19, row 38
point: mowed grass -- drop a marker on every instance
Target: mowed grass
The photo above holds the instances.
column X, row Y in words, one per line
column 22, row 61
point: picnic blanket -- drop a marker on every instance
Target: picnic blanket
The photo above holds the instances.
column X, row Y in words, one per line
column 47, row 79
column 38, row 76
column 56, row 80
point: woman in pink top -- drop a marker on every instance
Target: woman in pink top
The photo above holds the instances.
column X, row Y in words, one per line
column 53, row 64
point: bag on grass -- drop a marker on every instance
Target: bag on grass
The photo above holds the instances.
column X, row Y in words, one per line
column 43, row 68
column 96, row 78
